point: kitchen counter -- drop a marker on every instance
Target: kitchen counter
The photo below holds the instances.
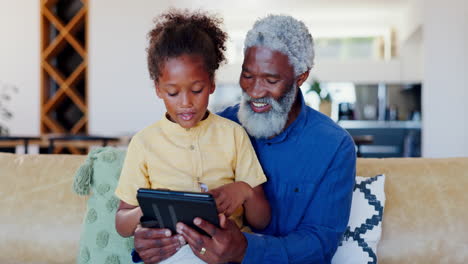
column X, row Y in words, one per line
column 363, row 124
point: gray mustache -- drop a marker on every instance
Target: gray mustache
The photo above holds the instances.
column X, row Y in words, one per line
column 264, row 100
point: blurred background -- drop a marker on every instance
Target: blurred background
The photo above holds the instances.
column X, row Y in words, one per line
column 394, row 73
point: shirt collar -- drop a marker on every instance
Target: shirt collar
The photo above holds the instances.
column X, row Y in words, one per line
column 294, row 127
column 175, row 128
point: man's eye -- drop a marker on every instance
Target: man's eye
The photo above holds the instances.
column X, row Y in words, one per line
column 272, row 81
column 246, row 76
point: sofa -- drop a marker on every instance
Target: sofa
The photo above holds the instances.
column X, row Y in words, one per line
column 425, row 218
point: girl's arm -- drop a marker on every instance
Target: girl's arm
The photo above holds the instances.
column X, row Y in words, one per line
column 127, row 218
column 230, row 196
column 257, row 209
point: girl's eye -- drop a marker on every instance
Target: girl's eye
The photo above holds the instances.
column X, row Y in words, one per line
column 198, row 91
column 172, row 94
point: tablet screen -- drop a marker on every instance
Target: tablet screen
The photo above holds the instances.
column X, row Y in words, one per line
column 166, row 208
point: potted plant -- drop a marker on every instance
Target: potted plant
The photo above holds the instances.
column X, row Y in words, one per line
column 6, row 114
column 324, row 96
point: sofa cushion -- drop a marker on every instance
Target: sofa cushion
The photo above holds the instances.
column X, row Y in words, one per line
column 100, row 242
column 40, row 215
column 359, row 244
column 425, row 220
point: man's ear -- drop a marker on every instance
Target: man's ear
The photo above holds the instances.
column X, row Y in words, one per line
column 158, row 91
column 302, row 78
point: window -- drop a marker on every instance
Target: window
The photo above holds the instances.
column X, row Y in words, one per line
column 349, row 48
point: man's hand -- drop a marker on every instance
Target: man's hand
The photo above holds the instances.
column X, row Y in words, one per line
column 226, row 243
column 231, row 196
column 154, row 244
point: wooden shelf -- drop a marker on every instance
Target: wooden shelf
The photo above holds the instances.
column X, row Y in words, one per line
column 64, row 64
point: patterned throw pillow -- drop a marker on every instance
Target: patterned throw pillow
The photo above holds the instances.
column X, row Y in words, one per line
column 359, row 244
column 98, row 178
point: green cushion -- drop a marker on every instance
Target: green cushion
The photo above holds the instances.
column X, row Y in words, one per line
column 98, row 177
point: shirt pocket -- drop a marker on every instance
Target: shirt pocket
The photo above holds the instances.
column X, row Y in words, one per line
column 293, row 201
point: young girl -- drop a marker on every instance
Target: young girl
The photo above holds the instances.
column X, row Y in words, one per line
column 191, row 149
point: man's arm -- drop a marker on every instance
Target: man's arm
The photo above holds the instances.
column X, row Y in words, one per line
column 315, row 240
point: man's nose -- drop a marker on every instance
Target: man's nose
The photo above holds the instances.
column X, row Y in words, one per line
column 257, row 90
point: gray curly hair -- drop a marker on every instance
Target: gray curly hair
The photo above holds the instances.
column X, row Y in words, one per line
column 286, row 35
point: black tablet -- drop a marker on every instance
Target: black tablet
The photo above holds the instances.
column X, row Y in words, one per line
column 164, row 208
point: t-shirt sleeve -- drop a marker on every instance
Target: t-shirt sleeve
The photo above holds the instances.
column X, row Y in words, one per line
column 134, row 173
column 247, row 167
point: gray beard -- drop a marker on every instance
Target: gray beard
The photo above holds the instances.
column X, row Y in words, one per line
column 267, row 124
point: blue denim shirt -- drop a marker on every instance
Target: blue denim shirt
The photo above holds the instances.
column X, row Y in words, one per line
column 310, row 168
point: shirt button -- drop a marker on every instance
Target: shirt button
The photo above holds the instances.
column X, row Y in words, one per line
column 269, row 144
column 192, row 147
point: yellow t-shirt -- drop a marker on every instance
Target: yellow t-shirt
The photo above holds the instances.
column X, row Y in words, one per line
column 215, row 152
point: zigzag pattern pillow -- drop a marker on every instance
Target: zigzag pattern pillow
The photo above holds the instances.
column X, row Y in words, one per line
column 359, row 244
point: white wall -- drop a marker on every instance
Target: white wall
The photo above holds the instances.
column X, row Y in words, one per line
column 360, row 71
column 444, row 94
column 411, row 57
column 412, row 19
column 19, row 62
column 410, row 40
column 121, row 96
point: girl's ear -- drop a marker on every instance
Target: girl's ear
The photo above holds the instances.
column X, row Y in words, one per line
column 158, row 91
column 212, row 86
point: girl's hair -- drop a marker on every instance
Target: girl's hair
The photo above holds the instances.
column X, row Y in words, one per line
column 180, row 32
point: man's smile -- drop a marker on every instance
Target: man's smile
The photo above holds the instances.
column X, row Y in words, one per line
column 260, row 107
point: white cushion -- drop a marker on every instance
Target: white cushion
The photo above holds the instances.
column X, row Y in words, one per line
column 359, row 244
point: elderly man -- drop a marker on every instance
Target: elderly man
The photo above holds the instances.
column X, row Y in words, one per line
column 309, row 161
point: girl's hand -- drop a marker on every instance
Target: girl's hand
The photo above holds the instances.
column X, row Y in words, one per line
column 231, row 196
